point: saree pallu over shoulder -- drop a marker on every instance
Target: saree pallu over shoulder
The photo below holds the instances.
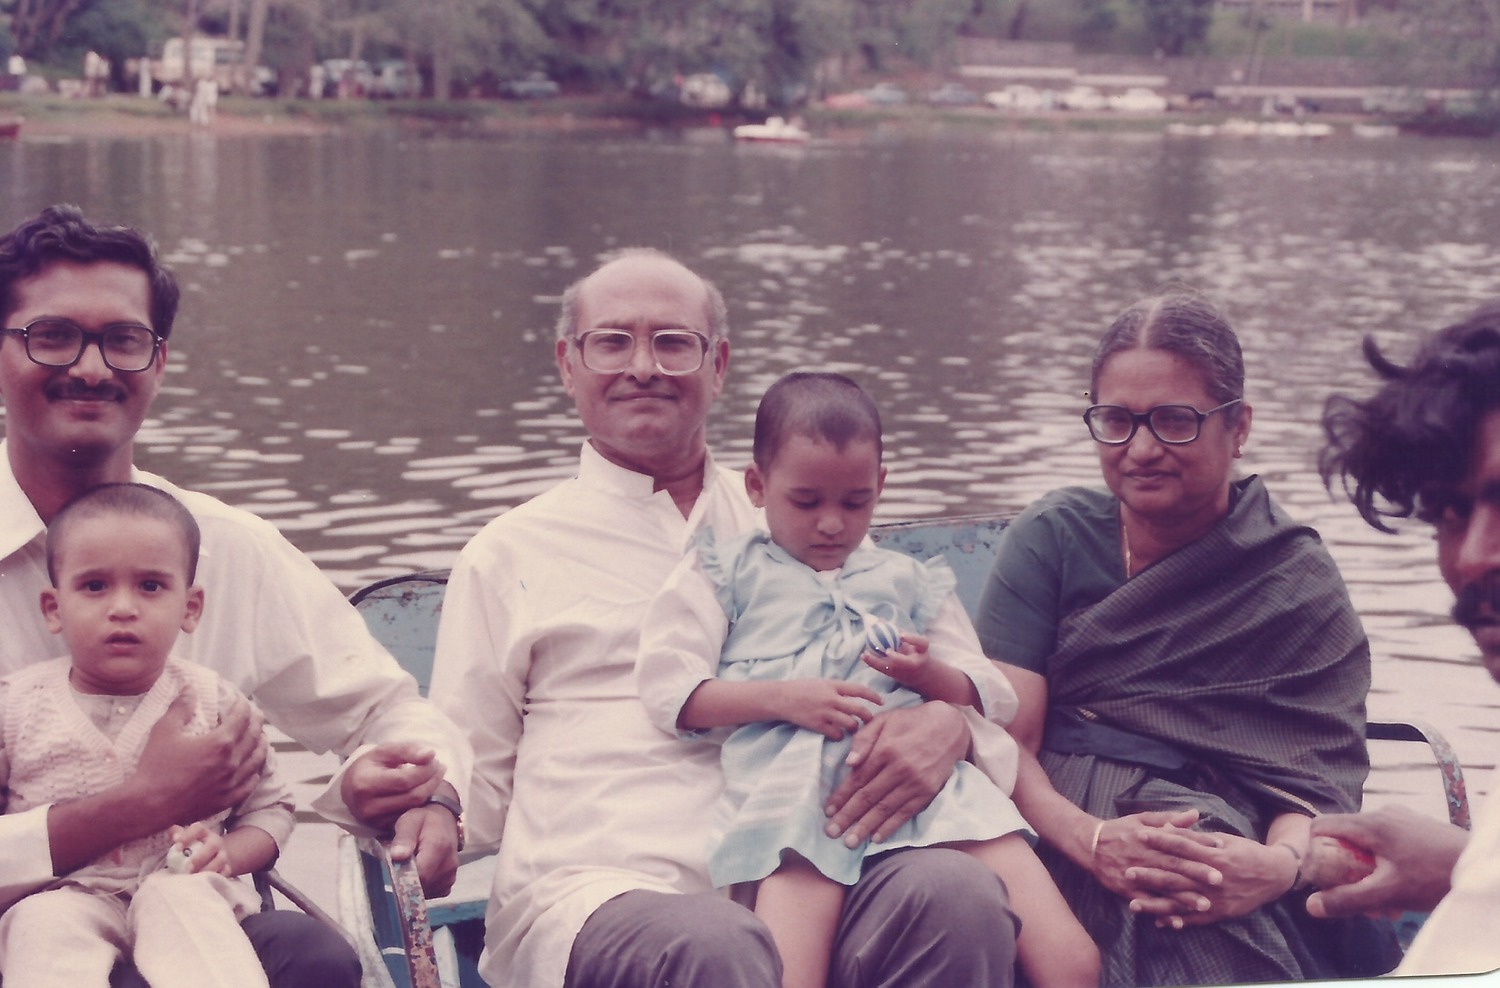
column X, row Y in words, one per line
column 1241, row 650
column 1229, row 677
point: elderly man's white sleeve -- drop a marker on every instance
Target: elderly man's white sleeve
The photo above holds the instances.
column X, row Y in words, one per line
column 479, row 680
column 338, row 688
column 681, row 637
column 952, row 639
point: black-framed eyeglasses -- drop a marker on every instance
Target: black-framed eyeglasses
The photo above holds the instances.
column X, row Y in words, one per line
column 675, row 351
column 126, row 346
column 1175, row 425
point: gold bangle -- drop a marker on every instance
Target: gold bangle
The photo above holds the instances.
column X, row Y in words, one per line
column 1094, row 844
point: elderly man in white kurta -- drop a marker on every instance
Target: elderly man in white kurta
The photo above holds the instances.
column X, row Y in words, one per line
column 601, row 818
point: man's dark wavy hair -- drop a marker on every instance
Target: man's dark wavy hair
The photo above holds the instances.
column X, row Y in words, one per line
column 1415, row 436
column 60, row 233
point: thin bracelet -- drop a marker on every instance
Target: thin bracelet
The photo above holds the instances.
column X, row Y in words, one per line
column 1298, row 884
column 1094, row 844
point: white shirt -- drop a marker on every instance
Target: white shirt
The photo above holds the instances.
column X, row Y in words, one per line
column 541, row 624
column 273, row 626
column 1459, row 937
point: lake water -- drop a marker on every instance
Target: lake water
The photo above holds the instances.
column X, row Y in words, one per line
column 364, row 353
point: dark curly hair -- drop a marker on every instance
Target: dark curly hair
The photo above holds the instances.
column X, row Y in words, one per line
column 60, row 233
column 1395, row 452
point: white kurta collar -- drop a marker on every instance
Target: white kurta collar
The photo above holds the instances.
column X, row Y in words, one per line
column 611, row 478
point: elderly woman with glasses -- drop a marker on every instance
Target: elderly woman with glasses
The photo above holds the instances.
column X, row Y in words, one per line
column 1191, row 673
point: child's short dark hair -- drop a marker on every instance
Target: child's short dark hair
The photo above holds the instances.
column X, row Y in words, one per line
column 818, row 405
column 134, row 500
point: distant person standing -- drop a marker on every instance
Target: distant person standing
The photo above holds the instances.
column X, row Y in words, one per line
column 204, row 103
column 95, row 73
column 15, row 72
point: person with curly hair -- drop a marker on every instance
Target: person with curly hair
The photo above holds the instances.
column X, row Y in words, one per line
column 1426, row 445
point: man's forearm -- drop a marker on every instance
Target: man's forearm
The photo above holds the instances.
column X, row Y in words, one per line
column 80, row 830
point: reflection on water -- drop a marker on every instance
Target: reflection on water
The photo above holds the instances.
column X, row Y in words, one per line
column 365, row 350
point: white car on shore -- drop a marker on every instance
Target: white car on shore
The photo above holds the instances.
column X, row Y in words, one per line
column 1086, row 99
column 1138, row 99
column 1022, row 99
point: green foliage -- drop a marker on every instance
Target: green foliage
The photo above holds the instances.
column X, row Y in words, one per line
column 1233, row 35
column 1177, row 25
column 1097, row 21
column 116, row 29
column 1450, row 43
column 778, row 47
column 927, row 29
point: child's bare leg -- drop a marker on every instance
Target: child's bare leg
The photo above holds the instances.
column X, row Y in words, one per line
column 801, row 907
column 1053, row 948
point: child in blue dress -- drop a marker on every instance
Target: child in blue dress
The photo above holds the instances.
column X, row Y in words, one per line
column 766, row 634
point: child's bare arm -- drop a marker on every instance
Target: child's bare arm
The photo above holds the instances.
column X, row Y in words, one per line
column 239, row 852
column 250, row 849
column 831, row 707
column 935, row 679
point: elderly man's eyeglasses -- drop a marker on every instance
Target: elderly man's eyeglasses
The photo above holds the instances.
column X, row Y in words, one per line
column 1175, row 425
column 675, row 351
column 125, row 346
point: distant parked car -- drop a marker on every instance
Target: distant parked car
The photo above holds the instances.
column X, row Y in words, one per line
column 394, row 79
column 953, row 94
column 343, row 77
column 885, row 94
column 706, row 91
column 534, row 85
column 1083, row 98
column 1023, row 99
column 1137, row 99
column 1394, row 100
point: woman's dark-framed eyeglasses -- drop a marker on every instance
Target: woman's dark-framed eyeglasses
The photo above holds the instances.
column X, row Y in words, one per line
column 127, row 347
column 675, row 351
column 1174, row 425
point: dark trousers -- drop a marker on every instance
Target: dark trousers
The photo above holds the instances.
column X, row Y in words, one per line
column 296, row 950
column 923, row 918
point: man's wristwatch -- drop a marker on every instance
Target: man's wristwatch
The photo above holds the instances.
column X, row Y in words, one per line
column 451, row 805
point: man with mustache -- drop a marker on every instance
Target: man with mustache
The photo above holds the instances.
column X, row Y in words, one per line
column 602, row 819
column 1427, row 445
column 88, row 313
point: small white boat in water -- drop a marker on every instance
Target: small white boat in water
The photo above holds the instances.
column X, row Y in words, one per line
column 775, row 129
column 1239, row 127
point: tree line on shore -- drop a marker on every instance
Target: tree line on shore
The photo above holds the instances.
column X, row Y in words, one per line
column 788, row 50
